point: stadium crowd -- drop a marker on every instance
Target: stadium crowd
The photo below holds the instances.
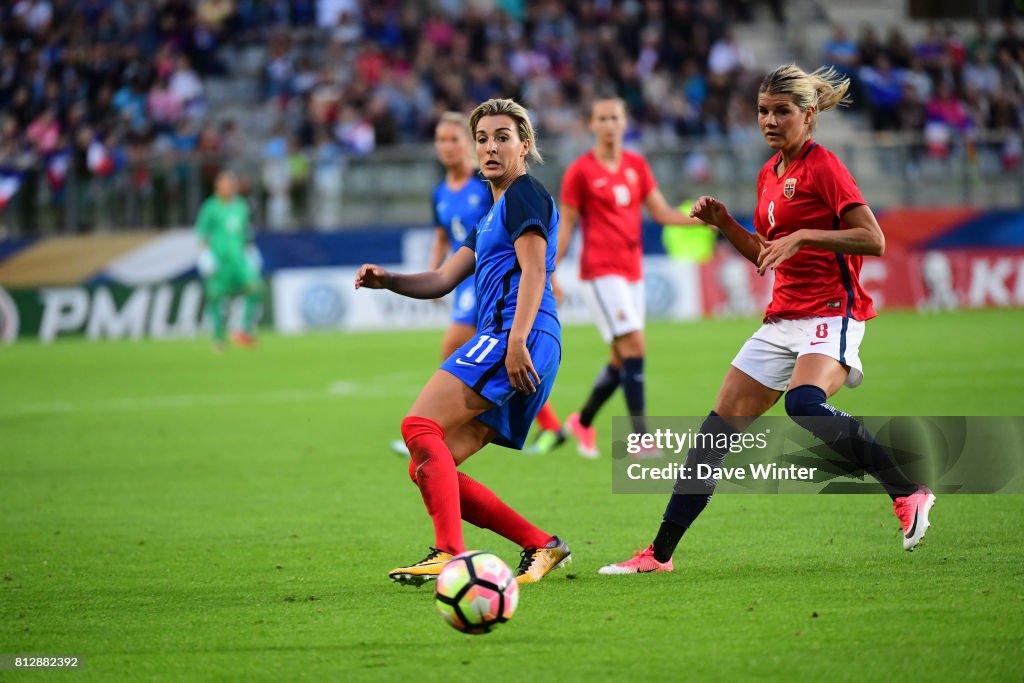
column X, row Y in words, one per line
column 94, row 85
column 371, row 74
column 88, row 86
column 385, row 74
column 954, row 91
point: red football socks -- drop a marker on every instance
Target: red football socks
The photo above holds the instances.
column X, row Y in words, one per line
column 437, row 479
column 482, row 508
column 470, row 500
column 547, row 419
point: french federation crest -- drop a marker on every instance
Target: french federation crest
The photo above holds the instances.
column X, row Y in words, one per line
column 789, row 189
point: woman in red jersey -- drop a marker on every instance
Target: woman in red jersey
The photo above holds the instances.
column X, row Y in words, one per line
column 813, row 229
column 605, row 189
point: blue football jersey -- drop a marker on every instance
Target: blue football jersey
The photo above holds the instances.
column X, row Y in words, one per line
column 525, row 206
column 458, row 211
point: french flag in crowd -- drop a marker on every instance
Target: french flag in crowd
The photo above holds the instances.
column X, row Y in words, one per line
column 57, row 163
column 99, row 159
column 10, row 181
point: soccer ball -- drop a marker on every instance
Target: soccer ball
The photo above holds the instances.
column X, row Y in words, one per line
column 475, row 592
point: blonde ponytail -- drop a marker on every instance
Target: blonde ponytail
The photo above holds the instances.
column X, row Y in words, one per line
column 823, row 89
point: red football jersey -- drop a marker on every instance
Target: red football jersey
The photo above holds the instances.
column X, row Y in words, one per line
column 812, row 193
column 609, row 203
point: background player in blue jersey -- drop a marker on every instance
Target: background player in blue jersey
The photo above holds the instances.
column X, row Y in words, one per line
column 459, row 201
column 492, row 387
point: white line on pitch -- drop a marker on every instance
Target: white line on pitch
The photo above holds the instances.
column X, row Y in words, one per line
column 394, row 384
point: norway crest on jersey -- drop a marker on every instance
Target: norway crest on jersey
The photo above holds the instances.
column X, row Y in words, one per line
column 789, row 189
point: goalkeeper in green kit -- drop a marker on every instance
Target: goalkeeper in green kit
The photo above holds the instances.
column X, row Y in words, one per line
column 229, row 263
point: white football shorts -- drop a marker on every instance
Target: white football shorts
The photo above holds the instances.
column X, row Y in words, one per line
column 616, row 304
column 769, row 356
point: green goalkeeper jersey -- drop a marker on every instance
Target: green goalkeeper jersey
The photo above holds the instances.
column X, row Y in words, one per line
column 225, row 227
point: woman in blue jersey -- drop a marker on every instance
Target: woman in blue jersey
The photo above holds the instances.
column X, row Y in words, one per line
column 492, row 387
column 458, row 202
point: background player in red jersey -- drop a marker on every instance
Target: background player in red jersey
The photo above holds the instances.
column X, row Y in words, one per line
column 605, row 189
column 813, row 228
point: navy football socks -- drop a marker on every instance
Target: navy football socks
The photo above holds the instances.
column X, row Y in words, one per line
column 808, row 406
column 691, row 497
column 633, row 388
column 604, row 386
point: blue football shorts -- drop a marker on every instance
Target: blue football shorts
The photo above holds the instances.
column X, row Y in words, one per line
column 480, row 364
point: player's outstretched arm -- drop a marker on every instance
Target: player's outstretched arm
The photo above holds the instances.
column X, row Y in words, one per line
column 429, row 285
column 664, row 214
column 567, row 217
column 713, row 212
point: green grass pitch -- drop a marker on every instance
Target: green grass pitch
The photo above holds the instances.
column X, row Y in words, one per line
column 170, row 514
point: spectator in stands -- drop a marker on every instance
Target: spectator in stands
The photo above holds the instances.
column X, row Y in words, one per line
column 214, row 15
column 355, row 133
column 884, row 91
column 955, row 50
column 840, row 52
column 1009, row 41
column 130, row 103
column 208, row 146
column 347, row 30
column 868, row 46
column 911, row 111
column 279, row 71
column 304, row 77
column 898, row 49
column 729, row 58
column 20, row 106
column 233, row 141
column 382, row 123
column 1011, row 75
column 1004, row 112
column 186, row 86
column 946, row 108
column 164, row 109
column 982, row 41
column 918, row 78
column 44, row 131
column 930, row 49
column 300, row 174
column 980, row 75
